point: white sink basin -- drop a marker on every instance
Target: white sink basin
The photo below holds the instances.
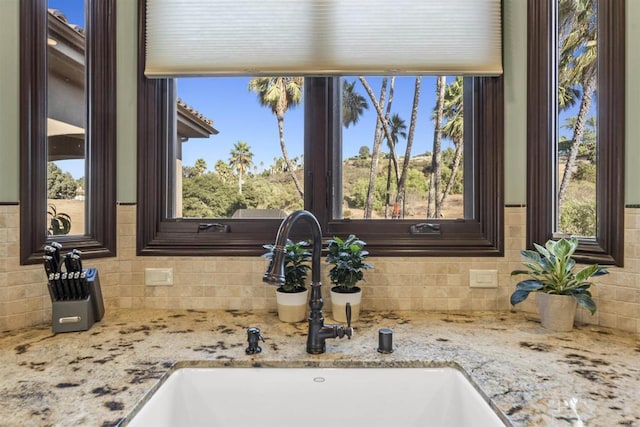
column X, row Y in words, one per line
column 316, row 397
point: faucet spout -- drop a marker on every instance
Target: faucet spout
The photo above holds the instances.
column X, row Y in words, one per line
column 318, row 331
column 275, row 272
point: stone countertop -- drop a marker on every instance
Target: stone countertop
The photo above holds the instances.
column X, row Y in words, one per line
column 590, row 376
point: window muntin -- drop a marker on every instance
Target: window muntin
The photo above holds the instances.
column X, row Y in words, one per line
column 542, row 130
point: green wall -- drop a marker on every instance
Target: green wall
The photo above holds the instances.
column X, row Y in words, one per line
column 632, row 155
column 515, row 101
column 9, row 101
column 127, row 45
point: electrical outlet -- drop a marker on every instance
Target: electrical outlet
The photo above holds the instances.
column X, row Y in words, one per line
column 158, row 276
column 483, row 278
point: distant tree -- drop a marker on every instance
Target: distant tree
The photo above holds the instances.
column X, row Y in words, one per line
column 200, row 166
column 207, row 196
column 241, row 160
column 60, row 185
column 353, row 104
column 296, row 163
column 223, row 170
column 436, row 160
column 188, row 171
column 402, row 181
column 279, row 94
column 198, row 169
column 380, row 131
column 364, row 152
column 398, row 129
column 587, row 148
column 453, row 113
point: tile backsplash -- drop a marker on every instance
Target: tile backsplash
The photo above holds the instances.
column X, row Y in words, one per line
column 435, row 284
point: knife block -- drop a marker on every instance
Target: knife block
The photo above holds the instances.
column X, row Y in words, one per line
column 72, row 316
column 95, row 293
column 79, row 315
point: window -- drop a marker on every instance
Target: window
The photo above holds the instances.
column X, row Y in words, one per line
column 549, row 149
column 477, row 229
column 243, row 171
column 97, row 238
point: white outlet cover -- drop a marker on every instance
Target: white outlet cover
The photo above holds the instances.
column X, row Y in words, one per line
column 483, row 278
column 158, row 276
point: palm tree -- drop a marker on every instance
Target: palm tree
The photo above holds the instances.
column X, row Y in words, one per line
column 280, row 94
column 407, row 154
column 241, row 160
column 578, row 66
column 453, row 113
column 353, row 104
column 436, row 157
column 398, row 129
column 588, row 147
column 382, row 130
column 223, row 170
column 200, row 167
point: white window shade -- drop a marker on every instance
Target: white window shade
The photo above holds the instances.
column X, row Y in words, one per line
column 319, row 37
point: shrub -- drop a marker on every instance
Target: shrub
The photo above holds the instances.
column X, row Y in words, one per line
column 585, row 172
column 578, row 218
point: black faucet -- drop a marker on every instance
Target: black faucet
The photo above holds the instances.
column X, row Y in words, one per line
column 318, row 331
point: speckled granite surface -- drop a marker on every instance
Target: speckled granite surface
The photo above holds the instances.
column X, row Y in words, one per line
column 96, row 377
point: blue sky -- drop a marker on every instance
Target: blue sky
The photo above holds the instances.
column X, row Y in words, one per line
column 238, row 116
column 72, row 9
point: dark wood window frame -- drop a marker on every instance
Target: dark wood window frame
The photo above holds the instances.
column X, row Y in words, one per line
column 100, row 68
column 608, row 246
column 158, row 234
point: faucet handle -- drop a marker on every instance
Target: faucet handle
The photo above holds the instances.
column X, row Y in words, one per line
column 349, row 330
column 253, row 336
column 347, row 310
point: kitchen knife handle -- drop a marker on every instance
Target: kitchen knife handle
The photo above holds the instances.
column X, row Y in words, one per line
column 84, row 284
column 58, row 286
column 51, row 292
column 78, row 253
column 56, row 254
column 49, row 265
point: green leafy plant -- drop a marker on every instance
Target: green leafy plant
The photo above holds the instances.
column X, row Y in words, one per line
column 59, row 223
column 348, row 259
column 296, row 264
column 551, row 270
column 578, row 217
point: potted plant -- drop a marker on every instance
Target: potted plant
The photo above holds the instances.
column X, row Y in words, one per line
column 347, row 258
column 291, row 297
column 560, row 289
column 59, row 222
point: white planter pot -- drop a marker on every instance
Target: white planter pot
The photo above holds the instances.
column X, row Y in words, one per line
column 339, row 303
column 557, row 312
column 292, row 307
